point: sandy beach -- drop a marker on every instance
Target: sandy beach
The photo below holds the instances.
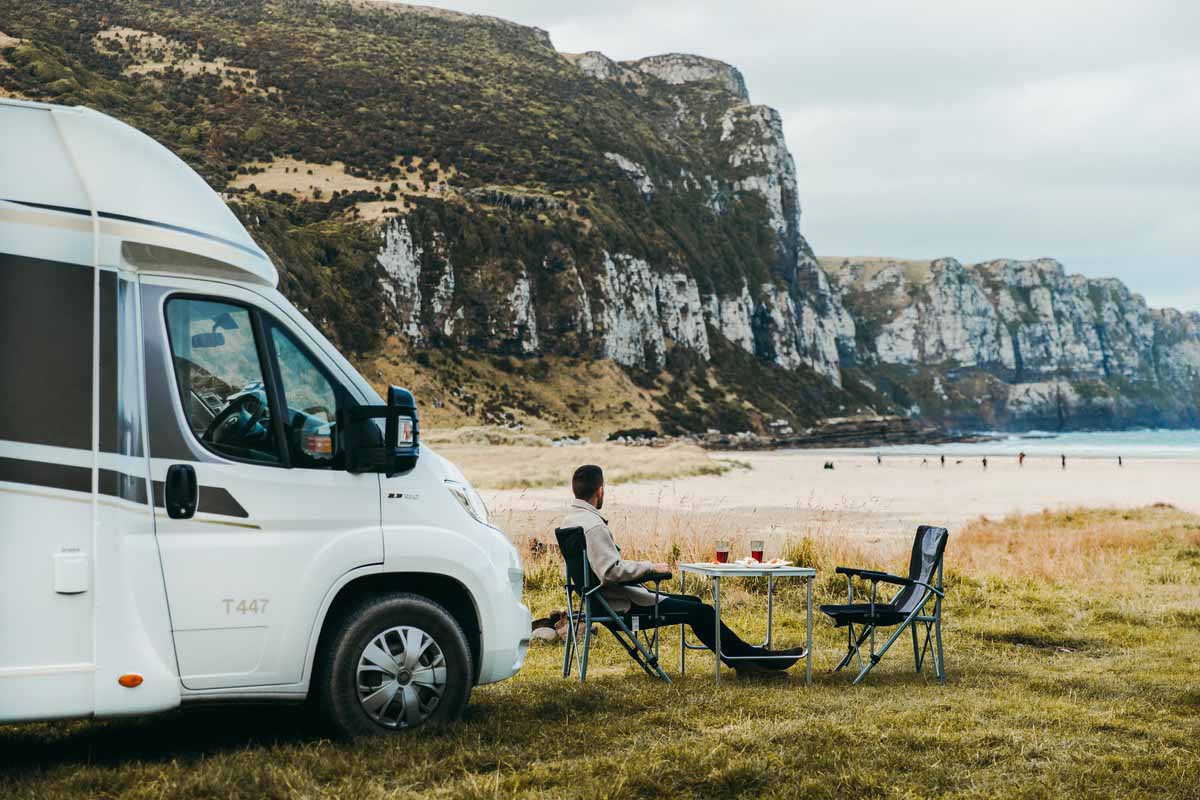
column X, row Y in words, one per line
column 782, row 494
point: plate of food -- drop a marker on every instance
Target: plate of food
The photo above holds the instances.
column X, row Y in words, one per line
column 771, row 563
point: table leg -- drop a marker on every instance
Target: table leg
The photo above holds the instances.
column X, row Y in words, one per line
column 716, row 592
column 682, row 636
column 770, row 606
column 808, row 643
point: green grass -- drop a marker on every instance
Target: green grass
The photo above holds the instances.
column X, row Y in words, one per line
column 1056, row 688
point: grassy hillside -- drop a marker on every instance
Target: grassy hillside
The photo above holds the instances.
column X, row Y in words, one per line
column 318, row 120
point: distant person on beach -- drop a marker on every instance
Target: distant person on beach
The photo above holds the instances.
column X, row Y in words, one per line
column 615, row 573
column 985, row 463
column 878, row 458
column 1020, row 459
column 1120, row 462
column 943, row 461
column 1064, row 460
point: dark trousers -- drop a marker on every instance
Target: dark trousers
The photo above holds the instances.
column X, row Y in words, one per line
column 699, row 616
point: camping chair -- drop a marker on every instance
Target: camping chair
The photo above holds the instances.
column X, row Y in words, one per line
column 906, row 609
column 592, row 607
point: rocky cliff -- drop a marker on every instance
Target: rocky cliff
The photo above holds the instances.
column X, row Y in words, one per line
column 1019, row 344
column 464, row 208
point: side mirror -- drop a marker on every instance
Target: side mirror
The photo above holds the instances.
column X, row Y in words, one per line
column 400, row 448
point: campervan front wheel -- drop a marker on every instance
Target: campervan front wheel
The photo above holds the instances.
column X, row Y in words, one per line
column 396, row 662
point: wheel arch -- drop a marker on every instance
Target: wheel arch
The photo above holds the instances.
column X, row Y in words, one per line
column 444, row 590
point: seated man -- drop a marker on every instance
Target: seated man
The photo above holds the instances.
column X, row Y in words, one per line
column 605, row 559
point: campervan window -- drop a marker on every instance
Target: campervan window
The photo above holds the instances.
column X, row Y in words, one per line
column 220, row 376
column 311, row 402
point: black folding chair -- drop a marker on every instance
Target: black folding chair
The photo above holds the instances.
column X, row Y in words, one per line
column 586, row 605
column 906, row 609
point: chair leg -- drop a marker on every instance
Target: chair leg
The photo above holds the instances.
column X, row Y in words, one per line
column 682, row 652
column 569, row 642
column 875, row 657
column 568, row 652
column 583, row 655
column 941, row 659
column 852, row 646
column 916, row 649
column 645, row 659
column 849, row 647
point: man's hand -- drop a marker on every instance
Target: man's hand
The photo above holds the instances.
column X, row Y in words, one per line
column 662, row 567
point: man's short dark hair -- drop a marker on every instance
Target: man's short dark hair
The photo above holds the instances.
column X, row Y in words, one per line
column 586, row 481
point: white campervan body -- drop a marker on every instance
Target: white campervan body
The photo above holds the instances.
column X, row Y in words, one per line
column 200, row 498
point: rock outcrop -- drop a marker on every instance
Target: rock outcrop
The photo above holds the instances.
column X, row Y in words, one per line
column 1023, row 342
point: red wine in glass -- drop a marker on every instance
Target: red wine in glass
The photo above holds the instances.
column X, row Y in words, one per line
column 756, row 550
column 722, row 552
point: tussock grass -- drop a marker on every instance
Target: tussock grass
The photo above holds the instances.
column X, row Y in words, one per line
column 1071, row 673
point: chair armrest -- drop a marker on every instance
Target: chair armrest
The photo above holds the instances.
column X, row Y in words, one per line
column 647, row 578
column 930, row 587
column 874, row 575
column 651, row 577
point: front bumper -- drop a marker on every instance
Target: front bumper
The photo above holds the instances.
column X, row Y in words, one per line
column 505, row 649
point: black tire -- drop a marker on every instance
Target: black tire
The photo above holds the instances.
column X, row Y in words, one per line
column 336, row 686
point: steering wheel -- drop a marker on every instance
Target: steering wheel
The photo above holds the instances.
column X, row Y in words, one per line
column 249, row 410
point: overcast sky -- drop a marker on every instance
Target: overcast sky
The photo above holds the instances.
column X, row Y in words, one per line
column 969, row 129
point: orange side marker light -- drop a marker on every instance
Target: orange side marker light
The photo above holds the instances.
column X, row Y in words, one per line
column 130, row 680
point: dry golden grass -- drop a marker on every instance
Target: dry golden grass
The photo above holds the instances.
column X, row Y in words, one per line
column 1080, row 547
column 155, row 53
column 527, row 467
column 307, row 180
column 456, row 390
column 7, row 42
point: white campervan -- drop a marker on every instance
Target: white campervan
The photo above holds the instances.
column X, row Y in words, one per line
column 200, row 498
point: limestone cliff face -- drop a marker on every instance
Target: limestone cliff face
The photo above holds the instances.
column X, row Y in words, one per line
column 1023, row 341
column 628, row 306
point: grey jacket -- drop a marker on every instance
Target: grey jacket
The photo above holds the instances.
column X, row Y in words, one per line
column 604, row 557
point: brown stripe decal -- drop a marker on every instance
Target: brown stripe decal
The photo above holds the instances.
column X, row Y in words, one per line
column 122, row 485
column 41, row 473
column 213, row 499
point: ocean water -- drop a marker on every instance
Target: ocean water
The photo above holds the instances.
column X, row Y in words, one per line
column 1094, row 444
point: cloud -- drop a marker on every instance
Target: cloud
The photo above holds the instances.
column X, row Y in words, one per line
column 973, row 129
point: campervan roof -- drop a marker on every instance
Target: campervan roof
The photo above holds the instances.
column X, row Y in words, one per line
column 76, row 161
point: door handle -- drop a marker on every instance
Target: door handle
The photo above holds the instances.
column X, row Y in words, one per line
column 180, row 491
